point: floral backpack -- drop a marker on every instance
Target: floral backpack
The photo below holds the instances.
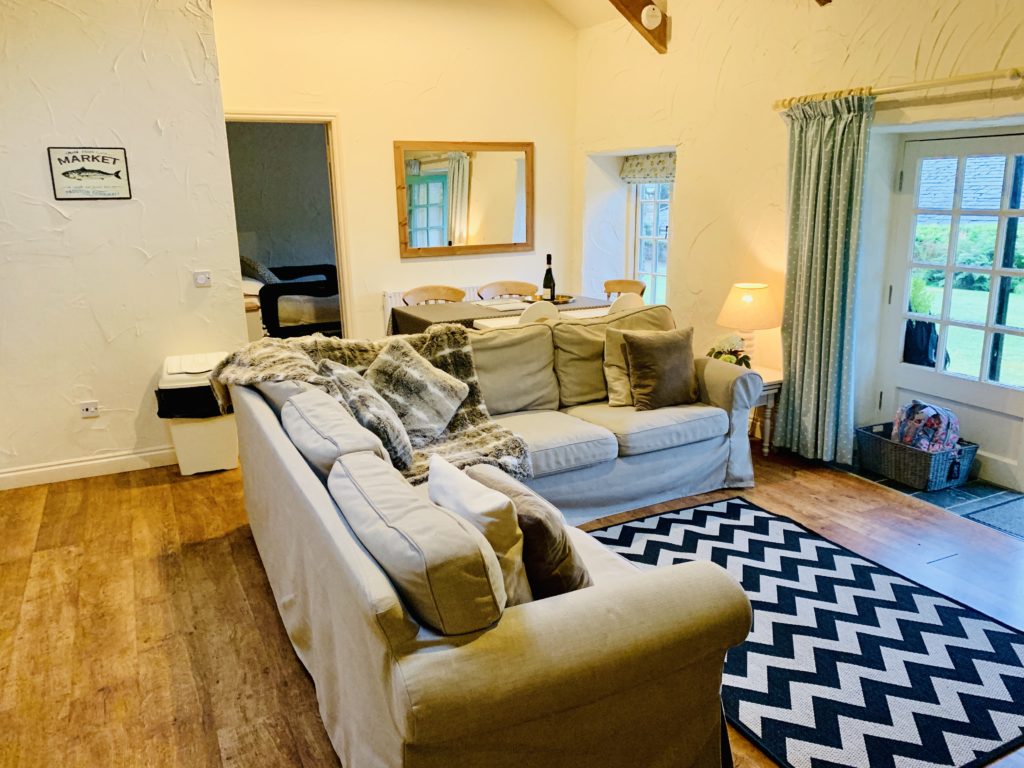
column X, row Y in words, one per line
column 926, row 427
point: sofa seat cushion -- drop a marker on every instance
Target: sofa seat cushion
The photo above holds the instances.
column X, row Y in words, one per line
column 559, row 442
column 645, row 431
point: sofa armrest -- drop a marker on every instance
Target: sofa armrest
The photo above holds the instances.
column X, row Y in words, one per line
column 568, row 651
column 735, row 390
column 732, row 388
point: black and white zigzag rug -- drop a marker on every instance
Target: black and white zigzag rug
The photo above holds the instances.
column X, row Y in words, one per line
column 848, row 663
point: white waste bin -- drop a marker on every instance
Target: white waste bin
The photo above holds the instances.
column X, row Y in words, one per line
column 204, row 439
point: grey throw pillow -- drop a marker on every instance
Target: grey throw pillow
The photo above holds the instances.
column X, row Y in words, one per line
column 661, row 368
column 256, row 270
column 552, row 565
column 370, row 410
column 424, row 397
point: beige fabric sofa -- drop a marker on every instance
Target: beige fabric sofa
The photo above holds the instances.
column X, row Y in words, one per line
column 590, row 459
column 624, row 673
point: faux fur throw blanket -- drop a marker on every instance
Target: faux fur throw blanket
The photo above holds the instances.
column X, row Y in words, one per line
column 470, row 437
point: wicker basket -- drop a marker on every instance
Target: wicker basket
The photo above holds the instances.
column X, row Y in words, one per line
column 912, row 466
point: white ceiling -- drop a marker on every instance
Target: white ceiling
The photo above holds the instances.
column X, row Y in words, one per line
column 585, row 13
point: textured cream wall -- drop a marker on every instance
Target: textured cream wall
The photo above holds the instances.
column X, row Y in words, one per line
column 94, row 294
column 711, row 97
column 489, row 70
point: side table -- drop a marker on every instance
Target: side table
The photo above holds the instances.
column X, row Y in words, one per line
column 772, row 386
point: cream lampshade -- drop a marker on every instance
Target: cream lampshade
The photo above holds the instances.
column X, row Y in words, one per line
column 750, row 307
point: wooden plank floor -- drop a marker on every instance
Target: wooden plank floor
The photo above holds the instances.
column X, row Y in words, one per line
column 137, row 627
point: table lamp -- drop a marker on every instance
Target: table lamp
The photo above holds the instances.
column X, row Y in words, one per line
column 750, row 307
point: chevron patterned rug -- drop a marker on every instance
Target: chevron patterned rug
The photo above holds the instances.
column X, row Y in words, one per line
column 848, row 663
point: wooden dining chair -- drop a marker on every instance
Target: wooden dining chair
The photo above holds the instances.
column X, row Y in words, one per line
column 624, row 286
column 626, row 301
column 506, row 288
column 539, row 312
column 432, row 294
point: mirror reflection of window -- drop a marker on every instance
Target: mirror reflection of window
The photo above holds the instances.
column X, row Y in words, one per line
column 428, row 210
column 465, row 195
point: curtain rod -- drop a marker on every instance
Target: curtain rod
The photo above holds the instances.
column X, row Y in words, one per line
column 1015, row 73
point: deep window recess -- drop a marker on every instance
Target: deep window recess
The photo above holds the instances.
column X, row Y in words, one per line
column 964, row 305
column 428, row 210
column 652, row 202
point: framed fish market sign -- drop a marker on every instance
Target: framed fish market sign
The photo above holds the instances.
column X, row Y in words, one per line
column 89, row 173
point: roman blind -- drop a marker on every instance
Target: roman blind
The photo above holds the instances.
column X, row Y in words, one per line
column 657, row 167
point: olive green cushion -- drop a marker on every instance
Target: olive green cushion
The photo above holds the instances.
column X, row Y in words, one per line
column 580, row 345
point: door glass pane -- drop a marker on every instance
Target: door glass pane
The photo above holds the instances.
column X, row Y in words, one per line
column 648, row 280
column 937, row 184
column 976, row 241
column 931, row 238
column 662, row 257
column 1013, row 252
column 663, row 220
column 419, row 238
column 419, row 218
column 420, row 194
column 434, row 216
column 646, row 255
column 983, row 182
column 963, row 351
column 969, row 300
column 648, row 191
column 1007, row 360
column 1017, row 183
column 435, row 237
column 436, row 192
column 648, row 215
column 926, row 286
column 664, row 191
column 659, row 290
column 1010, row 302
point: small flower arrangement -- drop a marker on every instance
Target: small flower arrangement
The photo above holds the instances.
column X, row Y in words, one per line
column 729, row 349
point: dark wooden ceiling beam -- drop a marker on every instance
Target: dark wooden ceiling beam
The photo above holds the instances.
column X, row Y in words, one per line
column 657, row 37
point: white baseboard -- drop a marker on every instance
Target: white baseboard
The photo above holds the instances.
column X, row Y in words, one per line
column 73, row 469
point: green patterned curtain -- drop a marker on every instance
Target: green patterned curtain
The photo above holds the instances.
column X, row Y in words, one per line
column 827, row 149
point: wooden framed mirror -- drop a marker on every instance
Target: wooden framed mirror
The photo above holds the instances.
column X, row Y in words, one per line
column 463, row 197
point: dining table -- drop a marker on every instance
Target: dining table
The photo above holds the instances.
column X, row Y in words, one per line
column 418, row 318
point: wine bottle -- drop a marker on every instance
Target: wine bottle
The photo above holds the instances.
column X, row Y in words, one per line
column 549, row 282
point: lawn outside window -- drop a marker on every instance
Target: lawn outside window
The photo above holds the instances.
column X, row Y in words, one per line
column 965, row 297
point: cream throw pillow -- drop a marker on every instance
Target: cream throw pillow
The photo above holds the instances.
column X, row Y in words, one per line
column 491, row 513
column 616, row 369
column 424, row 397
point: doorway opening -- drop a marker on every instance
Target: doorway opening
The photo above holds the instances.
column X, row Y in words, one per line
column 285, row 215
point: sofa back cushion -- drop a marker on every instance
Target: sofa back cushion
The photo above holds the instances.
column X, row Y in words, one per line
column 322, row 429
column 515, row 367
column 442, row 567
column 579, row 350
column 277, row 393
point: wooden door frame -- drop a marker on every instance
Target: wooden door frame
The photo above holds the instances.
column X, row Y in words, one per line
column 330, row 122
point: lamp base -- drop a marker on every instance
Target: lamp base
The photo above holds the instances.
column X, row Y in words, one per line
column 748, row 342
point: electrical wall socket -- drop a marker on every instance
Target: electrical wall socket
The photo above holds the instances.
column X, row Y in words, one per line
column 202, row 278
column 89, row 409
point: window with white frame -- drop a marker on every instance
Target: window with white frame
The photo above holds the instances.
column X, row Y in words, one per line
column 651, row 203
column 964, row 305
